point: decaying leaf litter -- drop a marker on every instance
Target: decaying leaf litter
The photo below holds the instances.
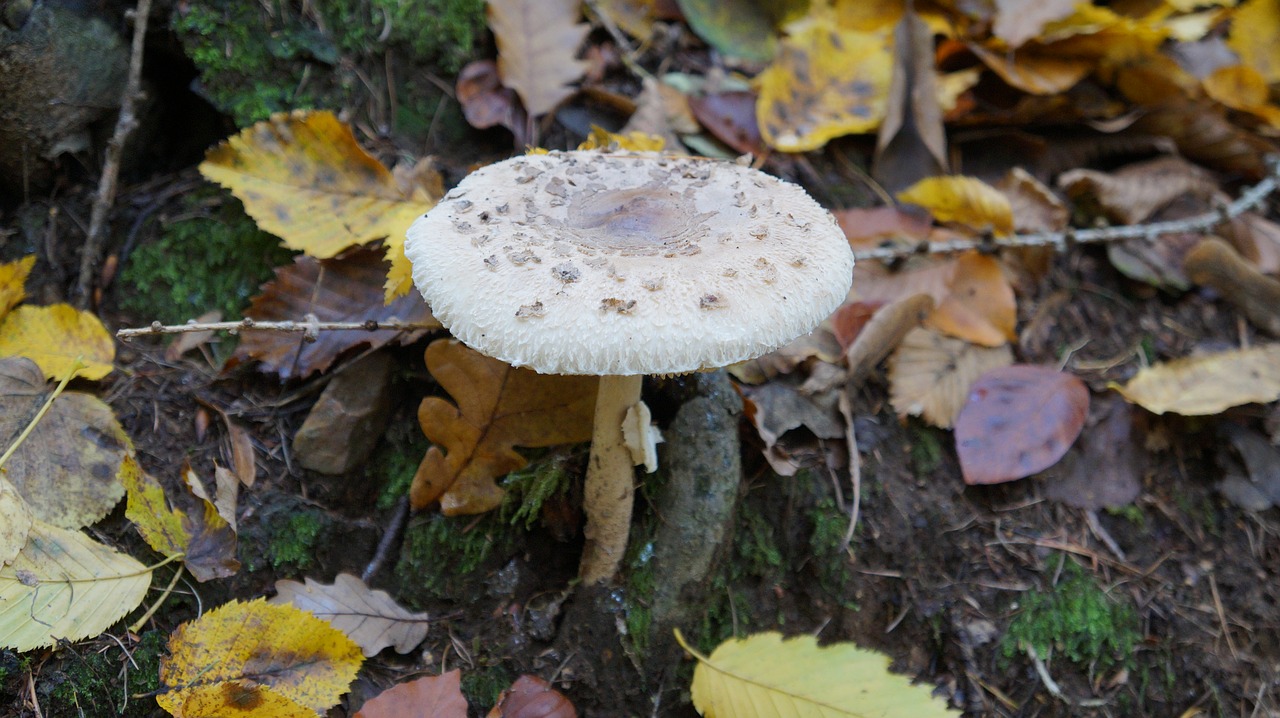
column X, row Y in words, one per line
column 1168, row 333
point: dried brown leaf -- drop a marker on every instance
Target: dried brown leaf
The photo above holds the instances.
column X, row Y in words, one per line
column 930, row 374
column 1133, row 193
column 1203, row 133
column 370, row 618
column 911, row 143
column 1018, row 21
column 1106, row 467
column 485, row 102
column 434, row 696
column 532, row 697
column 537, row 41
column 884, row 332
column 498, row 408
column 346, row 288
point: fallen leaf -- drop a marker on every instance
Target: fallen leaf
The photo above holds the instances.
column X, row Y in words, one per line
column 15, row 521
column 242, row 455
column 1106, row 466
column 1034, row 206
column 1203, row 134
column 819, row 344
column 243, row 655
column 869, row 227
column 13, row 279
column 1257, row 239
column 884, row 332
column 346, row 288
column 303, row 177
column 661, row 111
column 930, row 374
column 537, row 41
column 498, row 408
column 1254, row 28
column 634, row 17
column 1018, row 21
column 189, row 341
column 1213, row 263
column 55, row 337
column 745, row 29
column 911, row 143
column 1038, row 73
column 370, row 618
column 1133, row 193
column 604, row 140
column 1019, row 420
column 1207, row 384
column 965, row 200
column 731, row 118
column 1253, row 469
column 485, row 102
column 825, row 82
column 63, row 585
column 186, row 525
column 434, row 696
column 226, row 492
column 765, row 675
column 66, row 468
column 776, row 408
column 532, row 697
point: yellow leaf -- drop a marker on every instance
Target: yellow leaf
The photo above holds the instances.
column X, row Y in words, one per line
column 1254, row 29
column 824, row 82
column 303, row 177
column 65, row 585
column 765, row 676
column 67, row 466
column 15, row 521
column 55, row 336
column 238, row 654
column 192, row 528
column 602, row 139
column 1210, row 384
column 13, row 278
column 965, row 200
column 930, row 374
column 498, row 408
column 400, row 274
column 148, row 509
column 1242, row 88
column 537, row 43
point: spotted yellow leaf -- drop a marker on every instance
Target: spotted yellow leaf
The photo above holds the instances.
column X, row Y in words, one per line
column 825, row 82
column 65, row 585
column 55, row 337
column 303, row 177
column 13, row 277
column 15, row 521
column 1208, row 384
column 256, row 655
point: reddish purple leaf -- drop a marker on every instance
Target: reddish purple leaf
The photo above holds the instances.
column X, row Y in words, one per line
column 731, row 117
column 1019, row 420
column 532, row 697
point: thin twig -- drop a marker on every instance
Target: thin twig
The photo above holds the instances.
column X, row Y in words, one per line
column 309, row 327
column 125, row 126
column 855, row 468
column 388, row 538
column 1248, row 200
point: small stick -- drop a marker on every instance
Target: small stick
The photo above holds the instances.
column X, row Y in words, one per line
column 855, row 468
column 388, row 538
column 308, row 327
column 125, row 126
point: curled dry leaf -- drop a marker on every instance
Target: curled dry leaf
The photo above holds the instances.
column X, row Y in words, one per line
column 1034, row 206
column 537, row 41
column 186, row 525
column 1213, row 263
column 343, row 289
column 1207, row 384
column 930, row 374
column 485, row 102
column 63, row 585
column 884, row 332
column 435, row 696
column 1203, row 133
column 370, row 618
column 58, row 337
column 1017, row 21
column 1019, row 420
column 15, row 521
column 964, row 200
column 532, row 697
column 1133, row 193
column 498, row 408
column 303, row 177
column 825, row 82
column 290, row 660
column 1037, row 72
column 13, row 278
column 66, row 468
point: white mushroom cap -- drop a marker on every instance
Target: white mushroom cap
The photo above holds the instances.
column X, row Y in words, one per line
column 619, row 264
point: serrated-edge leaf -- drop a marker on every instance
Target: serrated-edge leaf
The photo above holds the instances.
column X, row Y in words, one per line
column 65, row 585
column 767, row 675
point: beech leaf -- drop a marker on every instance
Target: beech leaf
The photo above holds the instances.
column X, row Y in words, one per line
column 435, row 696
column 965, row 200
column 532, row 697
column 537, row 43
column 930, row 375
column 370, row 618
column 188, row 525
column 56, row 337
column 498, row 408
column 767, row 676
column 1208, row 384
column 1019, row 420
column 274, row 660
column 13, row 278
column 303, row 177
column 64, row 585
column 15, row 521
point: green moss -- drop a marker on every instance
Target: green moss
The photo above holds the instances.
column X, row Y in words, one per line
column 926, row 450
column 482, row 686
column 258, row 58
column 1077, row 620
column 755, row 546
column 441, row 554
column 1131, row 513
column 211, row 259
column 641, row 585
column 528, row 489
column 830, row 563
column 396, row 461
column 91, row 680
column 291, row 544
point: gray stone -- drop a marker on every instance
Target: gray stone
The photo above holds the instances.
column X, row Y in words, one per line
column 348, row 419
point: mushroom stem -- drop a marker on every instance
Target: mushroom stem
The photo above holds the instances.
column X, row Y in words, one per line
column 610, row 485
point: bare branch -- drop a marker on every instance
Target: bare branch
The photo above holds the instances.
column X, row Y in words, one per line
column 309, row 327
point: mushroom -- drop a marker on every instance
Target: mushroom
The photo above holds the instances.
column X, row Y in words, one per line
column 621, row 265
